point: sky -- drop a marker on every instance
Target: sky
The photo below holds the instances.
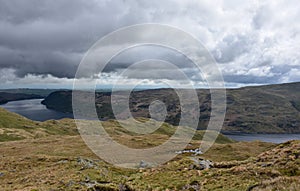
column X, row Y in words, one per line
column 42, row 42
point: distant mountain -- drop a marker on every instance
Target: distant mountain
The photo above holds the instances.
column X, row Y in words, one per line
column 258, row 109
column 41, row 92
column 6, row 97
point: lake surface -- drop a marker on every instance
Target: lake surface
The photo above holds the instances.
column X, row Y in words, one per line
column 273, row 138
column 34, row 110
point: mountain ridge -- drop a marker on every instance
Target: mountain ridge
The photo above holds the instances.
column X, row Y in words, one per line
column 256, row 109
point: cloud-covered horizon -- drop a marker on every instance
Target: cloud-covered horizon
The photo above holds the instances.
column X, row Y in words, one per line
column 43, row 42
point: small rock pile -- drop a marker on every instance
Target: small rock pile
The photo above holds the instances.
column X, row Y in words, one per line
column 201, row 164
column 194, row 151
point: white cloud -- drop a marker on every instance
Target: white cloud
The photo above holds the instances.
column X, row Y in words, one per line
column 255, row 42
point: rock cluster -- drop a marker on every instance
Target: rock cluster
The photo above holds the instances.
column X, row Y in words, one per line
column 194, row 151
column 201, row 164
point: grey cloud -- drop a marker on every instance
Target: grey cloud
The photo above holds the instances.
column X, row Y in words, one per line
column 140, row 53
column 39, row 62
column 231, row 47
column 50, row 37
column 250, row 79
column 18, row 12
column 262, row 17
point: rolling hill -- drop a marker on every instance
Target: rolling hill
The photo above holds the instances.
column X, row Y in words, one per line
column 259, row 109
column 16, row 127
column 51, row 156
column 6, row 97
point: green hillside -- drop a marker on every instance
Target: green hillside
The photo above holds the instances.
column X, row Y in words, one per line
column 16, row 127
column 52, row 156
column 259, row 109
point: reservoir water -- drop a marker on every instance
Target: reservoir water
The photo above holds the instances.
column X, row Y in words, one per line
column 34, row 110
column 273, row 138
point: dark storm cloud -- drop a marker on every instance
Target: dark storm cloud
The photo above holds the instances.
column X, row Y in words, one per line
column 50, row 37
column 17, row 12
column 39, row 62
column 252, row 42
column 140, row 53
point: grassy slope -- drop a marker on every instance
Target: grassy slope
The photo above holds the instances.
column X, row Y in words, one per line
column 55, row 163
column 16, row 127
column 58, row 159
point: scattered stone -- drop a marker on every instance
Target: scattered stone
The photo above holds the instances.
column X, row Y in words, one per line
column 90, row 184
column 1, row 174
column 86, row 163
column 101, row 187
column 265, row 164
column 206, row 164
column 70, row 183
column 124, row 187
column 62, row 161
column 144, row 164
column 194, row 151
column 201, row 164
column 195, row 186
column 87, row 179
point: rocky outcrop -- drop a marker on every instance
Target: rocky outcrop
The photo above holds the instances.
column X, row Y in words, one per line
column 201, row 164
